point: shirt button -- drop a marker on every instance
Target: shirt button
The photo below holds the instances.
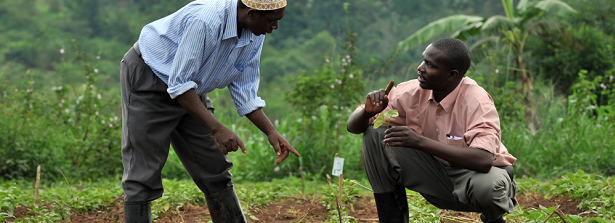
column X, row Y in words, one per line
column 226, row 64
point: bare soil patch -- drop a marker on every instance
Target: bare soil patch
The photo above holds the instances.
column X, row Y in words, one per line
column 364, row 210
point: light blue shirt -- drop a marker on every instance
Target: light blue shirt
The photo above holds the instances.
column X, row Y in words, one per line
column 197, row 48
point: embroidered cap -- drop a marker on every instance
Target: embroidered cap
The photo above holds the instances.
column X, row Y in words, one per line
column 265, row 4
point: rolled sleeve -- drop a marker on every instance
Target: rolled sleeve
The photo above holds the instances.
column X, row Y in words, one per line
column 484, row 129
column 250, row 106
column 180, row 89
column 488, row 142
column 188, row 58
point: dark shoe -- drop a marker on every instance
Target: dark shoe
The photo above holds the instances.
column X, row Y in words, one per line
column 224, row 207
column 137, row 212
column 392, row 206
column 499, row 220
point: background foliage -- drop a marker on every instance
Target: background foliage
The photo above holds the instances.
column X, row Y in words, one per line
column 59, row 85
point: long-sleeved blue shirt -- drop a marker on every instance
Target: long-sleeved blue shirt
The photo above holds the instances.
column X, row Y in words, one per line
column 197, row 48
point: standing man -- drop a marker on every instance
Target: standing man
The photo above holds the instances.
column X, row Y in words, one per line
column 445, row 143
column 165, row 79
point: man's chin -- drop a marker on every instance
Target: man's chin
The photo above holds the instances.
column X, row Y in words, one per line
column 424, row 86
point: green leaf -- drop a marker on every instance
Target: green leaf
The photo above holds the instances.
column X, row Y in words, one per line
column 556, row 7
column 391, row 113
column 447, row 24
column 379, row 121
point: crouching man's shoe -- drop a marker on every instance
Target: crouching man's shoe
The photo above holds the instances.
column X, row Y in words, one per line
column 499, row 220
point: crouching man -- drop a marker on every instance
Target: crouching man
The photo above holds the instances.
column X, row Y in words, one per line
column 445, row 143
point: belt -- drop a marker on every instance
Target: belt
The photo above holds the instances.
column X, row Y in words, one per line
column 136, row 47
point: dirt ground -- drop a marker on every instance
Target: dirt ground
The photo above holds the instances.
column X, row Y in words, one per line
column 295, row 210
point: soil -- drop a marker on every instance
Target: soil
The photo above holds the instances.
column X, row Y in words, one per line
column 304, row 210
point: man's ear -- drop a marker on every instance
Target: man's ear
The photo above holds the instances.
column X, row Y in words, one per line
column 251, row 14
column 453, row 75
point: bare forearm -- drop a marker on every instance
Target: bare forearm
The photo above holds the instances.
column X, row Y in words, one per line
column 260, row 120
column 193, row 105
column 469, row 158
column 358, row 121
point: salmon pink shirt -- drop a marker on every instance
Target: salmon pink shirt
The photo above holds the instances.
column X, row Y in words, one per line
column 467, row 117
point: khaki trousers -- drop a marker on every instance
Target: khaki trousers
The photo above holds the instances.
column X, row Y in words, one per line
column 443, row 186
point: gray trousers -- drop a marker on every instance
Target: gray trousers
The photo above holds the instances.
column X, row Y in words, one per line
column 445, row 187
column 151, row 122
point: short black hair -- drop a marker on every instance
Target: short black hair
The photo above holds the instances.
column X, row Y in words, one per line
column 457, row 53
column 260, row 12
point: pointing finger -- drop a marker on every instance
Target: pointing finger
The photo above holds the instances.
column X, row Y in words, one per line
column 243, row 147
column 389, row 87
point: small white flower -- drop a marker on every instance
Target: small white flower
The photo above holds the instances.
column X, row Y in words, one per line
column 62, row 51
column 98, row 57
column 102, row 122
column 95, row 70
column 77, row 101
column 115, row 118
column 327, row 60
column 347, row 56
column 343, row 60
column 497, row 71
column 62, row 100
column 350, row 76
column 110, row 125
column 16, row 90
column 60, row 105
column 96, row 113
column 332, row 86
column 99, row 96
column 276, row 169
column 88, row 76
column 603, row 86
column 30, row 106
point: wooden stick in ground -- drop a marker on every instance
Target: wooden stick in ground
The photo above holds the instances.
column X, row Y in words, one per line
column 302, row 182
column 38, row 181
column 341, row 184
column 339, row 212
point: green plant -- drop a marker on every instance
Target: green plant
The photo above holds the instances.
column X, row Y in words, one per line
column 385, row 118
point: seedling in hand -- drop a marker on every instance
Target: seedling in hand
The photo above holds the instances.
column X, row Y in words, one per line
column 385, row 117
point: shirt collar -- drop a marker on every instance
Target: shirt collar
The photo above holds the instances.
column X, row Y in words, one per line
column 448, row 101
column 230, row 30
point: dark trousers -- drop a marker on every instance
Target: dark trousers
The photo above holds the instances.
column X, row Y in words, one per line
column 151, row 122
column 443, row 186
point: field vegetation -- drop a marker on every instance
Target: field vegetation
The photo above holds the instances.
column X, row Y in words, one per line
column 60, row 106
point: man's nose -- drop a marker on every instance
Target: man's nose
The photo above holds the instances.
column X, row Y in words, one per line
column 276, row 25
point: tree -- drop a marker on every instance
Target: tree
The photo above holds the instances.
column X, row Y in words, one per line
column 530, row 17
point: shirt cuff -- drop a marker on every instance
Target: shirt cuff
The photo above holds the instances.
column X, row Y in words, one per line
column 180, row 89
column 485, row 142
column 250, row 106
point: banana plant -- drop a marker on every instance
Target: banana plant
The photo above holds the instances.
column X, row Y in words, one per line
column 530, row 17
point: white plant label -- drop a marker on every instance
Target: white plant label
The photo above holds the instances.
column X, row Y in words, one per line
column 338, row 166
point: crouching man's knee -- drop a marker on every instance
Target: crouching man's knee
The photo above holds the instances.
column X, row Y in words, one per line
column 493, row 193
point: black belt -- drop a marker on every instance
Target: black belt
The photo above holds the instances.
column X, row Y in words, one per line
column 136, row 47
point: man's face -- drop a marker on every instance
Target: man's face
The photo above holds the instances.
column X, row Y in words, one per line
column 434, row 70
column 266, row 23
